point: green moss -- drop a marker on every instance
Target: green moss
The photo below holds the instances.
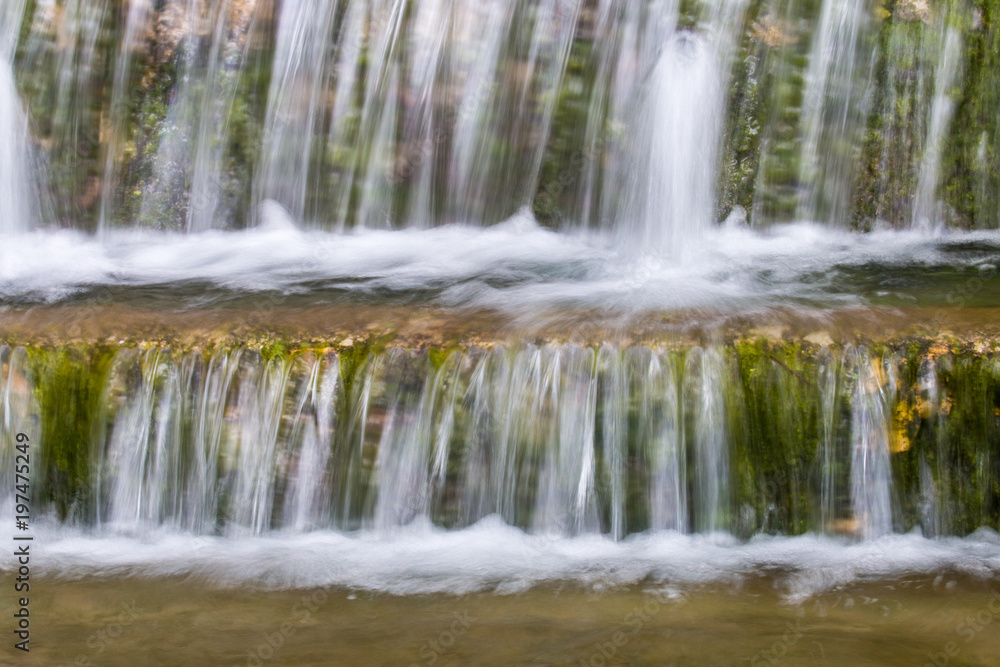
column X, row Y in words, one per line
column 69, row 385
column 352, row 358
column 437, row 356
column 775, row 414
column 274, row 349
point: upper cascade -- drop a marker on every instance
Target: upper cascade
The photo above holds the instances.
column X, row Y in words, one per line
column 650, row 120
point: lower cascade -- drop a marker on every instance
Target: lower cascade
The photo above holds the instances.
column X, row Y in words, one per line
column 554, row 440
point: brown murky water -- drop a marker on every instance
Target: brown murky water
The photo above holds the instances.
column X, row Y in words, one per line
column 165, row 622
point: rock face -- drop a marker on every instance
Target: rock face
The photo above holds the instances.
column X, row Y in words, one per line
column 170, row 28
column 912, row 10
column 772, row 32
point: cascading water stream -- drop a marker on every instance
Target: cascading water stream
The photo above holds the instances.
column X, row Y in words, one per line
column 559, row 440
column 299, row 75
column 137, row 24
column 871, row 475
column 710, row 475
column 188, row 170
column 834, row 109
column 670, row 191
column 17, row 203
column 925, row 209
column 393, row 114
column 673, row 189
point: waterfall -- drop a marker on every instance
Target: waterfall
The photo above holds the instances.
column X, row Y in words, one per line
column 17, row 407
column 925, row 214
column 558, row 441
column 188, row 170
column 16, row 192
column 123, row 93
column 710, row 475
column 299, row 74
column 670, row 172
column 663, row 434
column 673, row 182
column 833, row 109
column 588, row 136
column 314, row 425
column 831, row 374
column 871, row 474
column 423, row 297
column 647, row 121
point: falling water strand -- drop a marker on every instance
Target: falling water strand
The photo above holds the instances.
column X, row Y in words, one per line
column 829, row 443
column 138, row 22
column 314, row 426
column 706, row 411
column 833, row 109
column 871, row 473
column 15, row 155
column 188, row 169
column 934, row 482
column 299, row 69
column 925, row 215
column 671, row 171
column 614, row 434
column 17, row 407
column 663, row 434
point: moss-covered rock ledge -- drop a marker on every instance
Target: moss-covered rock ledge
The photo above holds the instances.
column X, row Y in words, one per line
column 418, row 328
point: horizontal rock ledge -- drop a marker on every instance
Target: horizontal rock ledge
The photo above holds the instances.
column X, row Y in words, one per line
column 342, row 325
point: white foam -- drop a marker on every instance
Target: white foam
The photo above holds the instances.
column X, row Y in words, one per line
column 517, row 266
column 491, row 556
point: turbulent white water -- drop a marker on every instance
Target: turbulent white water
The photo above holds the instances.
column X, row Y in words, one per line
column 491, row 556
column 516, row 267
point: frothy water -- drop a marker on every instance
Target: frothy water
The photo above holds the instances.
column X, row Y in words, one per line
column 517, row 267
column 491, row 556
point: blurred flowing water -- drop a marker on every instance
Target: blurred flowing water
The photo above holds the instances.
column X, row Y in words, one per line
column 559, row 439
column 635, row 118
column 521, row 156
column 15, row 158
column 606, row 459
